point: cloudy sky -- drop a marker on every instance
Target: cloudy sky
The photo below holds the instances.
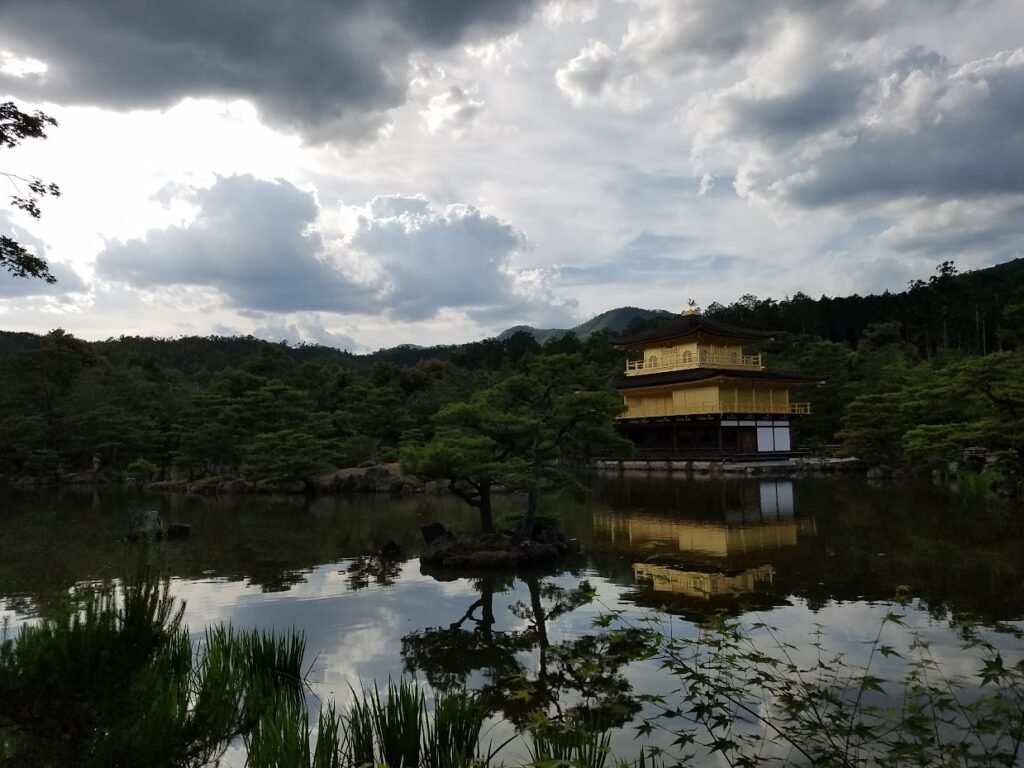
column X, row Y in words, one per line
column 364, row 173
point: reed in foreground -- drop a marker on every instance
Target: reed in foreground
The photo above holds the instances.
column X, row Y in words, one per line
column 112, row 679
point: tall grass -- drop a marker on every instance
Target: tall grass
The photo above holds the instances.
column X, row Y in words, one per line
column 453, row 733
column 398, row 720
column 576, row 742
column 110, row 679
column 359, row 742
column 396, row 728
column 283, row 738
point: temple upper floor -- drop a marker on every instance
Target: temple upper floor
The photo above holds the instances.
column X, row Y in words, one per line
column 691, row 341
column 693, row 354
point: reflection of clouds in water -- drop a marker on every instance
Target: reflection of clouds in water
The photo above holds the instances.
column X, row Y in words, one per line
column 850, row 627
column 605, row 591
column 210, row 602
column 460, row 588
column 216, row 600
column 352, row 637
column 847, row 628
column 355, row 637
column 365, row 647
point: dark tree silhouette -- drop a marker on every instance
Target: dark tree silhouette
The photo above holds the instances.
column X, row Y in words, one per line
column 15, row 127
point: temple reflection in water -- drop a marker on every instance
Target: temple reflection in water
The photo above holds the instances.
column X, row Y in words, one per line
column 705, row 550
column 665, row 578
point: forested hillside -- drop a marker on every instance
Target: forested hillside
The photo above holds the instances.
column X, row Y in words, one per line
column 235, row 406
column 963, row 312
column 947, row 310
column 911, row 378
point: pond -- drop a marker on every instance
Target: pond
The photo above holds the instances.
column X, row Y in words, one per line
column 798, row 554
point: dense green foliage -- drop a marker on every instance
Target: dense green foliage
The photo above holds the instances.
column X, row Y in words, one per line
column 193, row 408
column 963, row 312
column 910, row 378
column 112, row 679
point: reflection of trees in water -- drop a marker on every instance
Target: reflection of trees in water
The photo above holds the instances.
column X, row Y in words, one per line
column 363, row 570
column 52, row 540
column 573, row 678
column 270, row 579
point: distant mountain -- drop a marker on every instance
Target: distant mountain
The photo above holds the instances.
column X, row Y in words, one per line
column 959, row 311
column 614, row 320
column 540, row 334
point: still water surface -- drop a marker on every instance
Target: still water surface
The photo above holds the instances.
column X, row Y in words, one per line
column 795, row 553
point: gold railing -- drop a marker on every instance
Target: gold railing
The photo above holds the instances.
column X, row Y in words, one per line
column 719, row 407
column 703, row 358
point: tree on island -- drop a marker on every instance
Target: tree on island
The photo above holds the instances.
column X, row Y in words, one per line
column 15, row 127
column 524, row 432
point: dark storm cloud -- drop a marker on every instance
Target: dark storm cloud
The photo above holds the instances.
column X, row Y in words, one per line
column 252, row 241
column 684, row 37
column 257, row 243
column 964, row 142
column 324, row 67
column 824, row 101
column 455, row 257
column 956, row 228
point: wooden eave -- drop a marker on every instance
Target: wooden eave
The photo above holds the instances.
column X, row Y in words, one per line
column 690, row 325
column 707, row 375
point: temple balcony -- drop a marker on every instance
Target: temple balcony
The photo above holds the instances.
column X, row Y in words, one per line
column 703, row 358
column 715, row 407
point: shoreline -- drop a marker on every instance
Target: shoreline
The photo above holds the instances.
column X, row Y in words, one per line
column 389, row 479
column 788, row 466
